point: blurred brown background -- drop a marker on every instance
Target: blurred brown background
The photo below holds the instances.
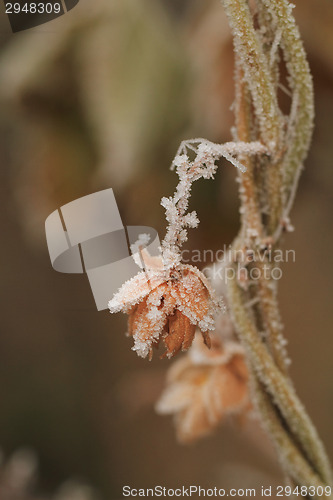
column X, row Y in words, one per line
column 99, row 98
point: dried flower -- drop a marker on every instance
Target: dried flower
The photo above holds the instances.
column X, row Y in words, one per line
column 204, row 387
column 169, row 299
column 167, row 305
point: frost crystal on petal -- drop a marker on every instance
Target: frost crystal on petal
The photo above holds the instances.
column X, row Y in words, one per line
column 134, row 290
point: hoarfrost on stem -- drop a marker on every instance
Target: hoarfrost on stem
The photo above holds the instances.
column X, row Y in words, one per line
column 203, row 166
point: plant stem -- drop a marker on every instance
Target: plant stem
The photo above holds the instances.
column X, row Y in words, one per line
column 278, row 386
column 267, row 191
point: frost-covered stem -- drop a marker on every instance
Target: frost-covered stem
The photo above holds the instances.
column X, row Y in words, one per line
column 278, row 387
column 266, row 199
column 203, row 166
column 251, row 220
column 269, row 309
column 292, row 460
column 300, row 125
column 300, row 121
column 270, row 40
column 251, row 216
column 257, row 71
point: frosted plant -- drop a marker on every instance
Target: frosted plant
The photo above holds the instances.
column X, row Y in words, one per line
column 170, row 299
column 265, row 34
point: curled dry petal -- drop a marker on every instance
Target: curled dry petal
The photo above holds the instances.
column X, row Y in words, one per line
column 135, row 290
column 179, row 334
column 200, row 394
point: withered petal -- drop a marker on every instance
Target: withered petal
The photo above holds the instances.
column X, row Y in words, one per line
column 192, row 423
column 179, row 335
column 233, row 390
column 207, row 339
column 192, row 296
column 135, row 315
column 149, row 318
